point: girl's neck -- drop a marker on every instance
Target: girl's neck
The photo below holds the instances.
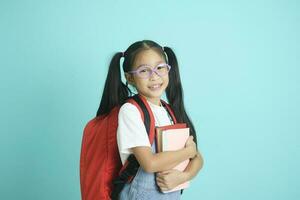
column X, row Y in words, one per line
column 154, row 101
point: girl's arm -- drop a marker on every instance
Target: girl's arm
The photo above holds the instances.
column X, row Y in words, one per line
column 169, row 179
column 152, row 162
column 193, row 167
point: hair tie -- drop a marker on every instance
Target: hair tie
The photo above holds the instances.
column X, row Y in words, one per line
column 163, row 48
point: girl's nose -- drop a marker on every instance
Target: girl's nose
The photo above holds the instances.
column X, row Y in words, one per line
column 154, row 76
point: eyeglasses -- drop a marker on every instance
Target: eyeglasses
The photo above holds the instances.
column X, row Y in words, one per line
column 146, row 71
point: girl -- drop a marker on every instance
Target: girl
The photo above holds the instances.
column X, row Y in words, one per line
column 151, row 70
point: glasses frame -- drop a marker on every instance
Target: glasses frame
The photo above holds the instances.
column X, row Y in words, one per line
column 152, row 70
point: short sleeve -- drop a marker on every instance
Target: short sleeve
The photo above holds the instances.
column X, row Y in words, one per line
column 131, row 131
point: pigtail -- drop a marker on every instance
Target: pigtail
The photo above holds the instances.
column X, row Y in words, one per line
column 174, row 92
column 115, row 92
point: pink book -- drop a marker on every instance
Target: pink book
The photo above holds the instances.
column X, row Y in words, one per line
column 174, row 138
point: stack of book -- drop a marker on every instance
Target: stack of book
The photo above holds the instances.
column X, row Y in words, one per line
column 172, row 138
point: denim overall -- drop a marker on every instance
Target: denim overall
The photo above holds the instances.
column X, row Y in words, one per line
column 143, row 187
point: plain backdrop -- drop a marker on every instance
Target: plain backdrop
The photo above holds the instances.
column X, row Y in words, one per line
column 239, row 64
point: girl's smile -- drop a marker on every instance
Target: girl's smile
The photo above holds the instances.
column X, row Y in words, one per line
column 155, row 87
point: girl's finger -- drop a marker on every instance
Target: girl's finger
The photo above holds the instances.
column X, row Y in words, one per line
column 163, row 188
column 160, row 180
column 160, row 175
column 165, row 172
column 161, row 184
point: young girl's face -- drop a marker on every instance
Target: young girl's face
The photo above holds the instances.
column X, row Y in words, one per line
column 152, row 87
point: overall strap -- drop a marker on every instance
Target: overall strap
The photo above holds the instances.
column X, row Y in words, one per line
column 170, row 111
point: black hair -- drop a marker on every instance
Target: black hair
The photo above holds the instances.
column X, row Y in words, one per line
column 115, row 92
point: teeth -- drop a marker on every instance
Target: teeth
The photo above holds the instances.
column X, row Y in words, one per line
column 155, row 86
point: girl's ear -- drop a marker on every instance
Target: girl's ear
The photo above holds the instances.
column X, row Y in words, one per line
column 129, row 78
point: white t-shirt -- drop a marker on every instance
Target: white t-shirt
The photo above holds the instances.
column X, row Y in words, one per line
column 131, row 130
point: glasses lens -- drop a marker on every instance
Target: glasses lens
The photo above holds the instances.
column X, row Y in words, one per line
column 162, row 69
column 144, row 72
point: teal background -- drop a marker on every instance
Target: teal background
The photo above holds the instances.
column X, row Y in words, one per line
column 239, row 63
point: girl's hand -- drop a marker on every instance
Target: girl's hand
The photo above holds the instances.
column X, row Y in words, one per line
column 190, row 144
column 169, row 179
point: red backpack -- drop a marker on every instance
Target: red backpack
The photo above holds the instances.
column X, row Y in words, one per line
column 102, row 176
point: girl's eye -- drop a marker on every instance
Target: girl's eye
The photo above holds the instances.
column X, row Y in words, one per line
column 144, row 71
column 162, row 67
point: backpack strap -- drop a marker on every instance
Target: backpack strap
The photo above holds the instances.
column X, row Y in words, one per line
column 147, row 117
column 149, row 121
column 131, row 166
